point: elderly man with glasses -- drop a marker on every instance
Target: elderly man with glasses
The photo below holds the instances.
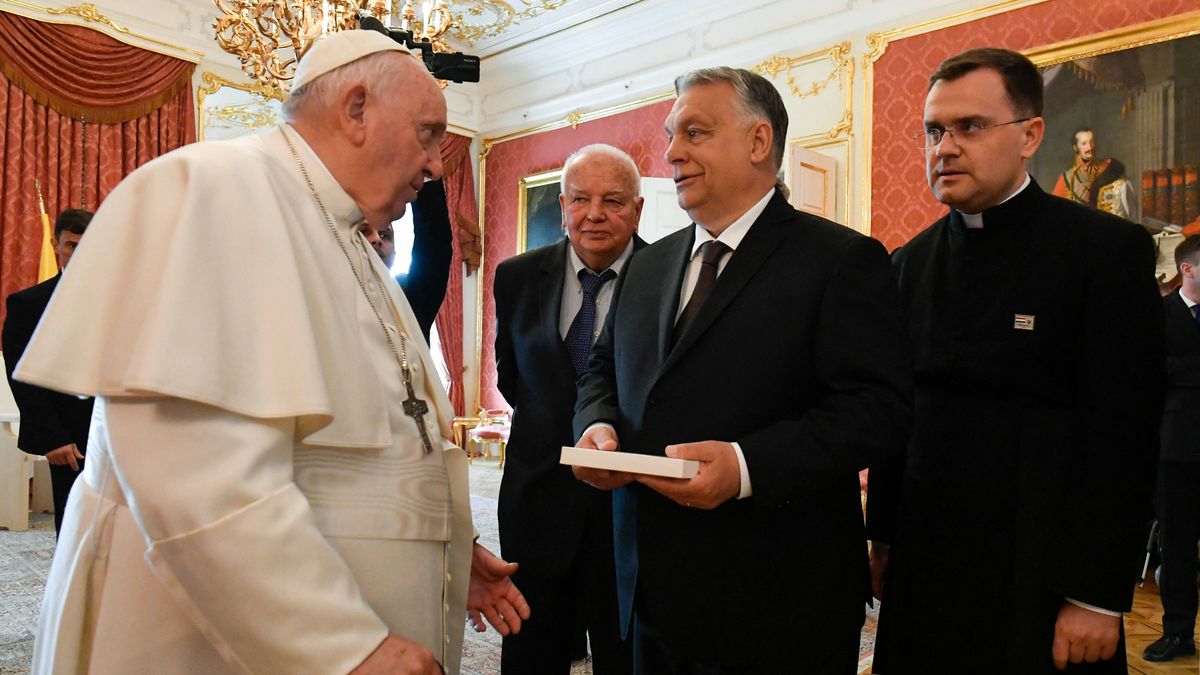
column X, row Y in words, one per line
column 1016, row 520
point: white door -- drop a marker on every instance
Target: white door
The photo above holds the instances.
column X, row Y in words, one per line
column 661, row 214
column 813, row 182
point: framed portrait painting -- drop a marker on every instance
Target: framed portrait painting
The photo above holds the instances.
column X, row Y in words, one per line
column 1122, row 115
column 539, row 218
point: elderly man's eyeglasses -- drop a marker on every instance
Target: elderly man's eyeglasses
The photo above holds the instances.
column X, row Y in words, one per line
column 963, row 132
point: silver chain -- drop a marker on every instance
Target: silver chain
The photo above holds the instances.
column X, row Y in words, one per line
column 401, row 354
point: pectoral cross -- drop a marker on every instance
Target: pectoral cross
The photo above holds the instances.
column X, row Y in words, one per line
column 416, row 409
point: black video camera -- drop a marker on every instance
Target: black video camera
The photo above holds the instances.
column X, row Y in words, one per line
column 453, row 66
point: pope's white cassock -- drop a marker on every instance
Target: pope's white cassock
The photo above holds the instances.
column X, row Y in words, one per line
column 254, row 498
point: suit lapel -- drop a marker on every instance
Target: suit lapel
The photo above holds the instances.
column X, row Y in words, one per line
column 550, row 292
column 674, row 263
column 760, row 242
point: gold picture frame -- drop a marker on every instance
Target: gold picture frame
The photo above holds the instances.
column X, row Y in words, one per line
column 1112, row 88
column 539, row 219
column 1126, row 37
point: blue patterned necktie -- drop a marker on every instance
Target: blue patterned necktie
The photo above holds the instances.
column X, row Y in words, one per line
column 579, row 335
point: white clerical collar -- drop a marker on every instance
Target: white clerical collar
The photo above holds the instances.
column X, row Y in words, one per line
column 733, row 235
column 616, row 267
column 341, row 206
column 974, row 221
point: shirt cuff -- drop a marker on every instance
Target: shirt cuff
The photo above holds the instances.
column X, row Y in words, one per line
column 1093, row 608
column 746, row 490
column 599, row 424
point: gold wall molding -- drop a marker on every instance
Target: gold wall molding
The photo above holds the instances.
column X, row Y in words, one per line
column 877, row 44
column 838, row 55
column 245, row 116
column 573, row 120
column 211, row 83
column 842, row 71
column 90, row 14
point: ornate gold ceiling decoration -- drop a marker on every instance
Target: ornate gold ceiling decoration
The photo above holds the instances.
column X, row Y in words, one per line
column 270, row 36
column 478, row 19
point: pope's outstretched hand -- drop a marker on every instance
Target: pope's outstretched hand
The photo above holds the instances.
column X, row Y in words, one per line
column 493, row 595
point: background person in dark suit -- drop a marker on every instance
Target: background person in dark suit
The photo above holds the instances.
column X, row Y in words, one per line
column 558, row 529
column 52, row 424
column 1179, row 462
column 1018, row 519
column 777, row 358
column 425, row 282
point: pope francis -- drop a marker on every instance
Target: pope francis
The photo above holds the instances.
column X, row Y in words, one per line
column 268, row 486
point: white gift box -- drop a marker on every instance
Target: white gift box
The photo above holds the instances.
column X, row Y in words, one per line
column 631, row 462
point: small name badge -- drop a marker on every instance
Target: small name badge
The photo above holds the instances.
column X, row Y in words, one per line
column 1023, row 321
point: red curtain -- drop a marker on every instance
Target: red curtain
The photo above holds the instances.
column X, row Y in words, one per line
column 85, row 74
column 39, row 141
column 464, row 221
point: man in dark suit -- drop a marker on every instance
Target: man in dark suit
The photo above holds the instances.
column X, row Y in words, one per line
column 52, row 424
column 767, row 344
column 1179, row 462
column 1017, row 520
column 550, row 304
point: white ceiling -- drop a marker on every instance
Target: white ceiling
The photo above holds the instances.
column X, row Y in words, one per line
column 529, row 20
column 561, row 56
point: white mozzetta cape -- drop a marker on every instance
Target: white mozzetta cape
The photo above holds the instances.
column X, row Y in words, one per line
column 253, row 500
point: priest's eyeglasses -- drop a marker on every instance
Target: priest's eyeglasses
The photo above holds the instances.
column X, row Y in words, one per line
column 963, row 132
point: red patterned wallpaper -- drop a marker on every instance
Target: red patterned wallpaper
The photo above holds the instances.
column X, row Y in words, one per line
column 638, row 132
column 901, row 204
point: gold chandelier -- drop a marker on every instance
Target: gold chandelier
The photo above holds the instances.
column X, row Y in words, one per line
column 270, row 36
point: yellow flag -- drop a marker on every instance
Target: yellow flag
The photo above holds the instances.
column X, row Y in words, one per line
column 47, row 263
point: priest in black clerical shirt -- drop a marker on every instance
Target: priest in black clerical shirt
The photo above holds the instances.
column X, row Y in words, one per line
column 1016, row 522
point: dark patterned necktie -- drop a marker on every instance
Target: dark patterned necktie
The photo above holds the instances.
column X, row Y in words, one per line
column 1196, row 313
column 579, row 335
column 710, row 261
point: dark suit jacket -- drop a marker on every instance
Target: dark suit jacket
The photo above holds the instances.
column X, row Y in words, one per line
column 542, row 506
column 49, row 419
column 1038, row 365
column 798, row 355
column 1181, row 413
column 425, row 283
